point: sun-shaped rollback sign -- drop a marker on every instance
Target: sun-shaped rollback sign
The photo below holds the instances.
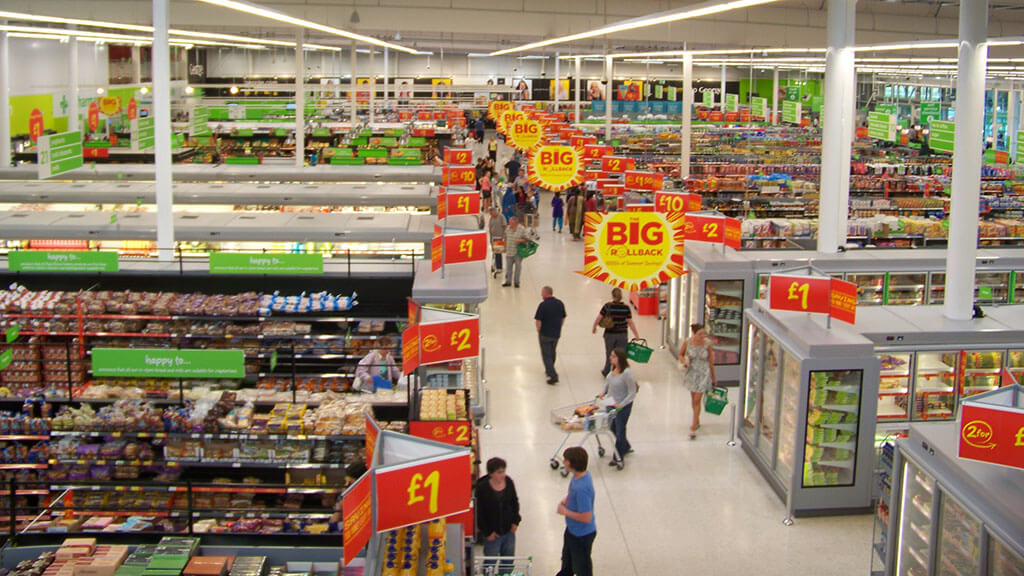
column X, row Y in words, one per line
column 525, row 134
column 555, row 167
column 633, row 250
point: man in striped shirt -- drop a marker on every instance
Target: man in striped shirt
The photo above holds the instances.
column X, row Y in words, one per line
column 617, row 320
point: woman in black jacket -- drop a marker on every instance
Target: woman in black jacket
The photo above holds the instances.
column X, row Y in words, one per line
column 497, row 510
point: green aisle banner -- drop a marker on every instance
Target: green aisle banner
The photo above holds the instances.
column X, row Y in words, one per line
column 6, row 357
column 940, row 136
column 143, row 135
column 167, row 363
column 759, row 107
column 732, row 102
column 882, row 126
column 224, row 263
column 708, row 98
column 791, row 112
column 59, row 153
column 793, row 93
column 886, row 108
column 930, row 111
column 817, row 103
column 39, row 261
column 198, row 126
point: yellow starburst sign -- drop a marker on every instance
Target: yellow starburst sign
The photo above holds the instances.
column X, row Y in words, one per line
column 633, row 250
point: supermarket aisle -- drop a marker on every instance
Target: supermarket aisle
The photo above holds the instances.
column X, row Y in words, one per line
column 679, row 507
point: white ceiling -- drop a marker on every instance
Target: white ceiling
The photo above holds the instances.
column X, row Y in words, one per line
column 485, row 25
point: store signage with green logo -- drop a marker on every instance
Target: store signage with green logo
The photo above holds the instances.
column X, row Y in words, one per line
column 6, row 357
column 225, row 263
column 143, row 134
column 791, row 112
column 940, row 136
column 59, row 153
column 881, row 126
column 930, row 111
column 985, row 292
column 759, row 107
column 732, row 102
column 167, row 363
column 200, row 117
column 38, row 261
column 708, row 98
column 793, row 93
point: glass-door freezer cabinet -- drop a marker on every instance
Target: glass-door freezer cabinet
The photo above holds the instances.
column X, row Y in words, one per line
column 808, row 402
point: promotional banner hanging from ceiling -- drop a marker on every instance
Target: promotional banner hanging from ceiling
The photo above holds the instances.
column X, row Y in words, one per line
column 496, row 108
column 507, row 118
column 525, row 134
column 633, row 250
column 555, row 167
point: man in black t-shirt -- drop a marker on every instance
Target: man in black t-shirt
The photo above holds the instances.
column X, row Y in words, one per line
column 550, row 316
column 617, row 320
column 512, row 169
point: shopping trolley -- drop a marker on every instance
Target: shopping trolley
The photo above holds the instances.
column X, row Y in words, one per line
column 592, row 419
column 497, row 247
column 502, row 565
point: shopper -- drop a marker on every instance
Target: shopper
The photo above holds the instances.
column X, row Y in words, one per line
column 512, row 168
column 377, row 369
column 617, row 320
column 492, row 149
column 515, row 234
column 621, row 385
column 591, row 202
column 550, row 316
column 578, row 509
column 557, row 212
column 697, row 356
column 479, row 169
column 480, row 129
column 485, row 189
column 497, row 512
column 496, row 229
column 575, row 210
column 508, row 201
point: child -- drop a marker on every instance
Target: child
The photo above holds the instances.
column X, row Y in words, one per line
column 557, row 213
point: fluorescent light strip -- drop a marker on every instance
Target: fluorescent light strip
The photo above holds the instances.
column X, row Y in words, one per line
column 705, row 9
column 110, row 37
column 38, row 36
column 255, row 10
column 681, row 53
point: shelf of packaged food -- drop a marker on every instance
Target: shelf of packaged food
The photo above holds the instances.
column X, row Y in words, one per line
column 100, row 462
column 201, row 435
column 194, row 488
column 17, row 437
column 255, row 464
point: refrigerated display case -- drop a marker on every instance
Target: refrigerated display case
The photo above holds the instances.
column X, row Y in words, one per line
column 906, row 289
column 870, row 288
column 894, row 387
column 935, row 385
column 949, row 516
column 809, row 410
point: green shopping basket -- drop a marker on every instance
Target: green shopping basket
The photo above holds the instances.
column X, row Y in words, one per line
column 638, row 351
column 526, row 249
column 716, row 400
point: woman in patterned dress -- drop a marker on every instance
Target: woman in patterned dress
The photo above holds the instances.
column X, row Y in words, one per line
column 699, row 376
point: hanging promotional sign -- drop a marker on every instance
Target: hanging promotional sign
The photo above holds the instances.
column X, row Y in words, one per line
column 525, row 134
column 930, row 111
column 456, row 432
column 508, row 118
column 458, row 176
column 676, row 202
column 35, row 124
column 732, row 102
column 465, row 247
column 458, row 156
column 617, row 164
column 799, row 293
column 792, row 112
column 580, row 141
column 940, row 136
column 882, row 126
column 633, row 250
column 843, row 301
column 555, row 167
column 759, row 108
column 59, row 153
column 651, row 181
column 457, row 202
column 357, row 516
column 596, row 151
column 496, row 108
column 714, row 228
column 992, row 427
column 93, row 116
column 422, row 491
column 708, row 98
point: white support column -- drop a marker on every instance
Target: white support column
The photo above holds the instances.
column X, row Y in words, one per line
column 352, row 85
column 558, row 79
column 161, row 69
column 5, row 103
column 970, row 121
column 608, row 98
column 386, row 79
column 300, row 99
column 73, row 122
column 576, row 104
column 836, row 143
column 687, row 116
column 775, row 96
column 721, row 104
column 995, row 118
column 1011, row 122
column 373, row 86
column 136, row 64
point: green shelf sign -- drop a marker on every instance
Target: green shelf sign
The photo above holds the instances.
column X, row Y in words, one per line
column 224, row 263
column 1019, row 156
column 6, row 357
column 732, row 102
column 940, row 136
column 930, row 111
column 38, row 261
column 708, row 98
column 321, row 132
column 759, row 107
column 167, row 363
column 881, row 126
column 59, row 153
column 791, row 112
column 417, row 141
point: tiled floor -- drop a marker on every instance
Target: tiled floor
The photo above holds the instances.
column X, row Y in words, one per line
column 679, row 506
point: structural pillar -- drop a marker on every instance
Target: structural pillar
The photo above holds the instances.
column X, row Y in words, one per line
column 373, row 86
column 967, row 145
column 608, row 98
column 352, row 85
column 161, row 68
column 1011, row 122
column 5, row 103
column 136, row 64
column 576, row 106
column 686, row 112
column 73, row 121
column 838, row 120
column 995, row 118
column 300, row 98
column 558, row 79
column 722, row 94
column 775, row 96
column 386, row 79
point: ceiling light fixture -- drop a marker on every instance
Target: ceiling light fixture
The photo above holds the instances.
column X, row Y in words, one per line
column 704, row 9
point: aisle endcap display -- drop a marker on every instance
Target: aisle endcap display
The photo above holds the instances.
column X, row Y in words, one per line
column 462, row 284
column 992, row 426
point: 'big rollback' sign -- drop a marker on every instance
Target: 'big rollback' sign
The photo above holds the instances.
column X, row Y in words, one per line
column 555, row 167
column 633, row 250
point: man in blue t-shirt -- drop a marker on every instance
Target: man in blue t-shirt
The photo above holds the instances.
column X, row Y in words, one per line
column 578, row 509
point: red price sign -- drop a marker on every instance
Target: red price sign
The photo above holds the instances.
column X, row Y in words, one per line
column 581, row 141
column 94, row 116
column 636, row 180
column 568, row 133
column 843, row 301
column 993, row 434
column 799, row 293
column 614, row 190
column 595, row 151
column 732, row 116
column 459, row 248
column 133, row 109
column 410, row 353
column 458, row 432
column 705, row 228
column 460, row 202
column 594, row 175
column 405, row 116
column 459, row 156
column 639, row 207
column 442, row 202
column 716, row 116
column 357, row 516
column 447, row 341
column 674, row 202
column 436, row 250
column 745, row 115
column 617, row 164
column 372, row 433
column 35, row 124
column 411, row 494
column 458, row 176
column 733, row 233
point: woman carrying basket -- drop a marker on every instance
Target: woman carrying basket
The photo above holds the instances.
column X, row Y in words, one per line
column 621, row 386
column 696, row 357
